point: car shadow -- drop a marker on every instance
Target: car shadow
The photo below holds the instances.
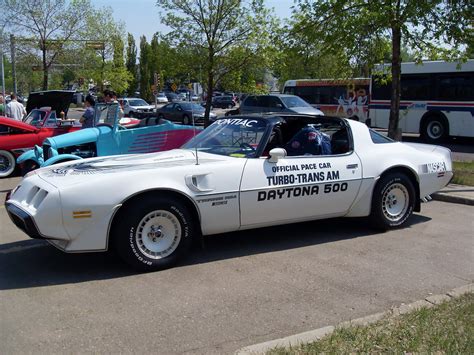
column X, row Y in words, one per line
column 35, row 263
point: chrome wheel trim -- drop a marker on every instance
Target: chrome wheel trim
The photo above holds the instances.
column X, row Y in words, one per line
column 395, row 202
column 435, row 130
column 7, row 163
column 158, row 234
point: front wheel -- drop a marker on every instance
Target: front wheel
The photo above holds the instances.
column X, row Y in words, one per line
column 7, row 163
column 154, row 233
column 393, row 201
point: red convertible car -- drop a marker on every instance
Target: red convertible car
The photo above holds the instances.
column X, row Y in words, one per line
column 43, row 121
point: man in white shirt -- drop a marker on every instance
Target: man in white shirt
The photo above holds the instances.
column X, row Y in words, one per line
column 15, row 109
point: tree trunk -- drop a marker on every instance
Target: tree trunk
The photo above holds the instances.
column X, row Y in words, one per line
column 393, row 130
column 210, row 87
column 45, row 67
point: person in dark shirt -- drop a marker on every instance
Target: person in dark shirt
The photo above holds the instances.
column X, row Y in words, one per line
column 87, row 118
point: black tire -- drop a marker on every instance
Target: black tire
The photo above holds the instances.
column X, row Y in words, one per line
column 143, row 233
column 186, row 120
column 434, row 129
column 28, row 166
column 7, row 164
column 393, row 201
column 131, row 114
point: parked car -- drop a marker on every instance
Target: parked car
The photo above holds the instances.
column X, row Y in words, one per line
column 43, row 120
column 161, row 98
column 183, row 112
column 171, row 96
column 135, row 107
column 108, row 138
column 235, row 175
column 277, row 103
column 223, row 102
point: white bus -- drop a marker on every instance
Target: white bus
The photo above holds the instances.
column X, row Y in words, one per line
column 335, row 97
column 437, row 100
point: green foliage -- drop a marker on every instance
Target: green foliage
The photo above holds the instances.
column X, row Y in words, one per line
column 214, row 29
column 131, row 64
column 444, row 329
column 145, row 73
column 437, row 29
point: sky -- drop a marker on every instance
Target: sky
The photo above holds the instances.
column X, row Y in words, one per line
column 142, row 17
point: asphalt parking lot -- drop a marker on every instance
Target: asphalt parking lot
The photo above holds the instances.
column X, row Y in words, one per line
column 242, row 288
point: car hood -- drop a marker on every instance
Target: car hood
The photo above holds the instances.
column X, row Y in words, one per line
column 86, row 135
column 58, row 100
column 5, row 121
column 306, row 110
column 123, row 167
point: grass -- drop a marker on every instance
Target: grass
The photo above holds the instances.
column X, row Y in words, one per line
column 446, row 328
column 463, row 173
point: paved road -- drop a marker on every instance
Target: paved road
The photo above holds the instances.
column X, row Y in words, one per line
column 244, row 288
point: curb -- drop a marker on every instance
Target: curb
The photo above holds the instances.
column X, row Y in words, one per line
column 445, row 197
column 314, row 335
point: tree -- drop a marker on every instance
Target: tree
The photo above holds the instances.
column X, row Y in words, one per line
column 145, row 74
column 131, row 64
column 428, row 27
column 214, row 27
column 52, row 23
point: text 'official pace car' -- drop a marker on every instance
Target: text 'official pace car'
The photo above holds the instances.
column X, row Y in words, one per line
column 243, row 172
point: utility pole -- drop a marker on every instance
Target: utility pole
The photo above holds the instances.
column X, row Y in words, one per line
column 2, row 69
column 12, row 45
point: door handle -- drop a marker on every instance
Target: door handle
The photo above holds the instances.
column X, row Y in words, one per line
column 352, row 166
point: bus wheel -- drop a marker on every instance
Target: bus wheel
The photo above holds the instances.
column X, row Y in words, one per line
column 434, row 129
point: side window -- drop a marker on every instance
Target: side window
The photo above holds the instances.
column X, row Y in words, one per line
column 250, row 101
column 274, row 102
column 263, row 101
column 378, row 138
column 456, row 87
column 415, row 87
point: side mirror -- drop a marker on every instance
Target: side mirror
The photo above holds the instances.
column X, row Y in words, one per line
column 275, row 154
column 279, row 105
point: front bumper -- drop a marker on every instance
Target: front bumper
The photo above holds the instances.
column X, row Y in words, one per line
column 23, row 221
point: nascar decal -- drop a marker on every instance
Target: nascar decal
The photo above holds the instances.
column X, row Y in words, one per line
column 301, row 191
column 304, row 174
column 431, row 168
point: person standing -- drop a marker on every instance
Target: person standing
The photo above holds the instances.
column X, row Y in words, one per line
column 88, row 119
column 15, row 109
column 2, row 106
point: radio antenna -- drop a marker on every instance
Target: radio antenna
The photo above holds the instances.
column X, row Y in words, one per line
column 194, row 131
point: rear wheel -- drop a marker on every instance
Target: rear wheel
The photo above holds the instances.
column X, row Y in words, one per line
column 155, row 234
column 7, row 163
column 186, row 120
column 434, row 129
column 393, row 201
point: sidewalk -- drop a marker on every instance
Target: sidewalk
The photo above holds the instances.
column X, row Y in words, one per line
column 456, row 194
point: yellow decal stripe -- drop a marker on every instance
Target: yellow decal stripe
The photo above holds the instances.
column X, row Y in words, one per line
column 81, row 214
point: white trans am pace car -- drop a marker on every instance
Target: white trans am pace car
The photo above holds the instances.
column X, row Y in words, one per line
column 243, row 172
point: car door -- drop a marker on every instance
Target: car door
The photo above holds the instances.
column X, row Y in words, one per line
column 298, row 188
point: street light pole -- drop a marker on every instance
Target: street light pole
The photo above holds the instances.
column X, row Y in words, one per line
column 12, row 44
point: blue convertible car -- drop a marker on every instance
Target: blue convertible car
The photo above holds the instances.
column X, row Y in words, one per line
column 107, row 138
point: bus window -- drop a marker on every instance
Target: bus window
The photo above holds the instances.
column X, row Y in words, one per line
column 456, row 88
column 415, row 87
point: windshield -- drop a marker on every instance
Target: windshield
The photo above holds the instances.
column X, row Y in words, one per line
column 191, row 107
column 232, row 137
column 106, row 113
column 294, row 101
column 137, row 102
column 35, row 117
